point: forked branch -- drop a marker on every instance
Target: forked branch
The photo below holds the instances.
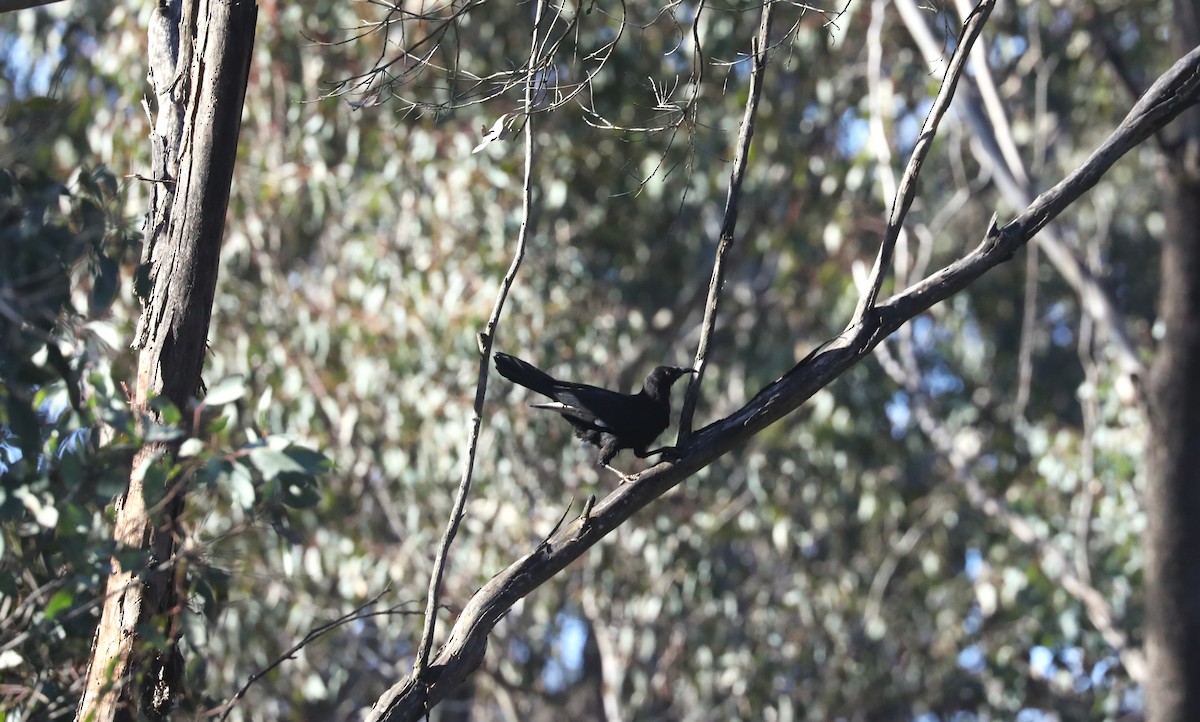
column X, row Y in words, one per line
column 485, row 355
column 411, row 698
column 758, row 60
column 908, row 182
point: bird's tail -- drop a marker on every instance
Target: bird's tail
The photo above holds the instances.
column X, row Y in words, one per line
column 525, row 374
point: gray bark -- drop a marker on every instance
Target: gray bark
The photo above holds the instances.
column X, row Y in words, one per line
column 1173, row 479
column 199, row 62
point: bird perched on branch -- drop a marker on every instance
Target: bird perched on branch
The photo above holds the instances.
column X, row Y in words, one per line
column 603, row 418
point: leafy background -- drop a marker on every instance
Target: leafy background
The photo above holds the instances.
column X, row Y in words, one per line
column 835, row 567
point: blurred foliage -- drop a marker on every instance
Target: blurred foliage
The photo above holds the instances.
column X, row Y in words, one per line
column 67, row 435
column 833, row 568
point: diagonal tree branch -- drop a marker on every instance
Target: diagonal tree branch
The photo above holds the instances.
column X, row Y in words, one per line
column 410, row 698
column 1014, row 184
column 8, row 6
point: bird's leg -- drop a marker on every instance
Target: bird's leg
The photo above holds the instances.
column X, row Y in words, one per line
column 608, row 450
column 624, row 479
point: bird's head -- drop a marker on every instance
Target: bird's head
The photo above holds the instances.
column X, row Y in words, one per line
column 660, row 379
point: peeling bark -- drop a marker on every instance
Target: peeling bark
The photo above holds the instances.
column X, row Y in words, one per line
column 199, row 62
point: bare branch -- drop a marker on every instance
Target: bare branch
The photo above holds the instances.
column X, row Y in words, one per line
column 409, row 699
column 485, row 355
column 758, row 59
column 313, row 634
column 1094, row 298
column 8, row 6
column 908, row 182
column 990, row 95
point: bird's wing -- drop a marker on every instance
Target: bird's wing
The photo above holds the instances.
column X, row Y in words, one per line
column 605, row 410
column 569, row 403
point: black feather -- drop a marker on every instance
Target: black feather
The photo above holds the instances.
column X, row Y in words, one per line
column 608, row 419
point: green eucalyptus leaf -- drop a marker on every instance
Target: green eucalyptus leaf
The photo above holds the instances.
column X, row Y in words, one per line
column 59, row 602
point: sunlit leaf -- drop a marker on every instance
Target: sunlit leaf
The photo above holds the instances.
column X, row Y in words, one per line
column 240, row 485
column 272, row 463
column 191, row 447
column 226, row 391
column 59, row 602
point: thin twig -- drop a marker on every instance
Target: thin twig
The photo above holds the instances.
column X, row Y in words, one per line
column 989, row 94
column 1028, row 329
column 313, row 634
column 880, row 94
column 587, row 505
column 399, row 63
column 908, row 182
column 758, row 58
column 485, row 354
column 1093, row 296
column 1175, row 91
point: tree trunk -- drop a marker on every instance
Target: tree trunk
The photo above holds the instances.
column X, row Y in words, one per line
column 199, row 61
column 1173, row 484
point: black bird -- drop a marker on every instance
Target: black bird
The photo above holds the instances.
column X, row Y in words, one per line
column 608, row 419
